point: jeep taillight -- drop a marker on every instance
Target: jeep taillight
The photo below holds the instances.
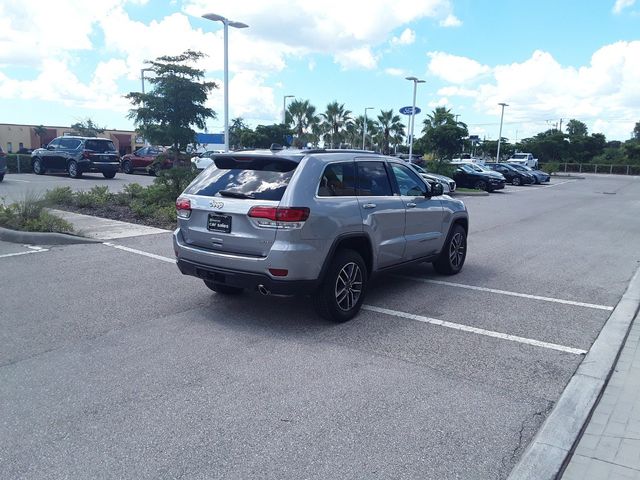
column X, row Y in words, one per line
column 279, row 217
column 183, row 207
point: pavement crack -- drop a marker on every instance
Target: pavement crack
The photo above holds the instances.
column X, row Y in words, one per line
column 529, row 422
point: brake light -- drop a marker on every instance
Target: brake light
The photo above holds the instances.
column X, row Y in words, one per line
column 183, row 207
column 279, row 272
column 280, row 217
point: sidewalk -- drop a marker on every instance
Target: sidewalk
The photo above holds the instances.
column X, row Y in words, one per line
column 610, row 446
column 104, row 229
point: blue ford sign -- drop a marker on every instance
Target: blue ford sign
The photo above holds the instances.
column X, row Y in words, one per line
column 408, row 110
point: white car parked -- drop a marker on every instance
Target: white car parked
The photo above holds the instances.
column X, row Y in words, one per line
column 204, row 159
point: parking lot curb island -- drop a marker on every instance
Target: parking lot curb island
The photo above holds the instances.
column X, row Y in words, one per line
column 547, row 453
column 42, row 238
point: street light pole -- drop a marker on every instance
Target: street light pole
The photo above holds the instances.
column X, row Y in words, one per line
column 227, row 23
column 364, row 131
column 415, row 81
column 284, row 108
column 142, row 70
column 500, row 134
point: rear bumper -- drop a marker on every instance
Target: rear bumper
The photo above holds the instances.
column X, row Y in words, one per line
column 247, row 280
column 89, row 166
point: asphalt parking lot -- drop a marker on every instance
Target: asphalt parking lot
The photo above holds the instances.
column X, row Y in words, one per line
column 15, row 186
column 113, row 365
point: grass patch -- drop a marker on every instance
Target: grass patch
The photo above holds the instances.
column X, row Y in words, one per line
column 29, row 215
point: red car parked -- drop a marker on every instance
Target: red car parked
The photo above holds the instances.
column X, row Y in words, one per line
column 142, row 159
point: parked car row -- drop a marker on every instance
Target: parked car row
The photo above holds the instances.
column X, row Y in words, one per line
column 493, row 176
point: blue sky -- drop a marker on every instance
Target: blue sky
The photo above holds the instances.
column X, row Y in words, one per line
column 64, row 61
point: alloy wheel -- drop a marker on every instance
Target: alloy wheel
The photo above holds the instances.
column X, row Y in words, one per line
column 348, row 286
column 457, row 249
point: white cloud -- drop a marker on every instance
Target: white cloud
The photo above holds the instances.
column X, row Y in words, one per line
column 453, row 91
column 455, row 69
column 451, row 21
column 357, row 58
column 622, row 4
column 441, row 102
column 407, row 37
column 395, row 72
column 332, row 27
column 605, row 91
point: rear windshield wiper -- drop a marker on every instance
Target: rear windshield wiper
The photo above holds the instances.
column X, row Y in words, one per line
column 229, row 193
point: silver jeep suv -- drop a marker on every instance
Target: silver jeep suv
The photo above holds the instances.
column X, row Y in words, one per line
column 313, row 222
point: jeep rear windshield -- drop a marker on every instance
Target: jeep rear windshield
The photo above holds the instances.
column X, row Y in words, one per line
column 100, row 146
column 245, row 177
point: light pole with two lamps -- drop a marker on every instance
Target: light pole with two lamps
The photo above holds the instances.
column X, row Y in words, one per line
column 500, row 134
column 364, row 131
column 284, row 108
column 415, row 81
column 227, row 23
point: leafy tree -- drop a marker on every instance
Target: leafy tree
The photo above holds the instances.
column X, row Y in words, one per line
column 177, row 102
column 86, row 128
column 549, row 146
column 236, row 129
column 576, row 128
column 266, row 135
column 390, row 127
column 636, row 131
column 336, row 118
column 442, row 134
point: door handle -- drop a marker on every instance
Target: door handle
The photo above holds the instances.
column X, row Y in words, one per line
column 369, row 205
column 411, row 205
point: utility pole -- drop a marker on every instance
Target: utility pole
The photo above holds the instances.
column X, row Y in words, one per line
column 561, row 125
column 500, row 134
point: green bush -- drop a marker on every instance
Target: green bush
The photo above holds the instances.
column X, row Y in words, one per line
column 550, row 167
column 133, row 190
column 173, row 181
column 29, row 215
column 59, row 196
column 98, row 196
column 25, row 163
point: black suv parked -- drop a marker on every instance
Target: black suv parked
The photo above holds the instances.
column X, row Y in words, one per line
column 512, row 174
column 77, row 155
column 472, row 176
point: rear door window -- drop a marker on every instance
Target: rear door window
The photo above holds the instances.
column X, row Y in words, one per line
column 69, row 143
column 338, row 180
column 245, row 177
column 373, row 180
column 100, row 146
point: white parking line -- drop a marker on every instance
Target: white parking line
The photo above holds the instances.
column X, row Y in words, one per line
column 556, row 184
column 140, row 252
column 479, row 331
column 32, row 249
column 512, row 294
column 419, row 318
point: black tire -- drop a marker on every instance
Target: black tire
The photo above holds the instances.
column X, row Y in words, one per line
column 153, row 172
column 73, row 170
column 37, row 167
column 126, row 167
column 516, row 181
column 222, row 288
column 480, row 185
column 1, row 177
column 342, row 291
column 109, row 174
column 454, row 252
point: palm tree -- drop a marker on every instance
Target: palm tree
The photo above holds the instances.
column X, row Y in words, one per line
column 336, row 118
column 389, row 124
column 301, row 115
column 440, row 116
column 40, row 131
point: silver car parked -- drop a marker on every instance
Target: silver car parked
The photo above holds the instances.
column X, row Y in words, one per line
column 314, row 222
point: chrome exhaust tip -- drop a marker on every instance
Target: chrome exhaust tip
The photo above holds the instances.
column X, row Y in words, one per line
column 263, row 290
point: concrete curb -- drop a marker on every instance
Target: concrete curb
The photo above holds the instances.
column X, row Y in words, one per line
column 567, row 175
column 42, row 238
column 472, row 194
column 546, row 455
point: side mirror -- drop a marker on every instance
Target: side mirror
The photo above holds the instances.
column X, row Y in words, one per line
column 435, row 190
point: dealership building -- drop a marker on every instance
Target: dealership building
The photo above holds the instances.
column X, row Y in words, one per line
column 15, row 137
